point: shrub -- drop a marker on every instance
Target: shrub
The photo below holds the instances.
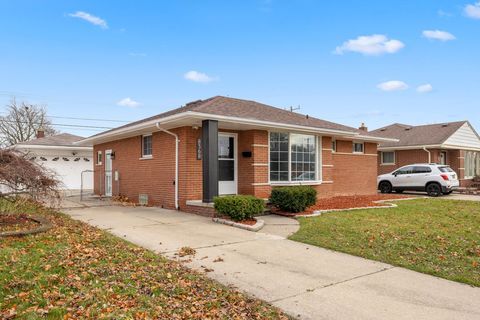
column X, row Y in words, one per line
column 293, row 199
column 239, row 207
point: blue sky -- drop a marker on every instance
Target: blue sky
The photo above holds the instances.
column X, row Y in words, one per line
column 126, row 60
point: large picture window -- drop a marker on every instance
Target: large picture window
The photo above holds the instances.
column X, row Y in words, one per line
column 472, row 164
column 293, row 157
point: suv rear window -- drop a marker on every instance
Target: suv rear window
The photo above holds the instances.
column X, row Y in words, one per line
column 422, row 170
column 445, row 169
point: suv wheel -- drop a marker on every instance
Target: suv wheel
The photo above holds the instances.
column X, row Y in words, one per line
column 434, row 189
column 385, row 187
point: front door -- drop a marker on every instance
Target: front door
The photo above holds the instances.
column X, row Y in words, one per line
column 227, row 163
column 108, row 172
column 443, row 157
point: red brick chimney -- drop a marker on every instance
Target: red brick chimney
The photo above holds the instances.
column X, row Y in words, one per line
column 40, row 133
column 363, row 127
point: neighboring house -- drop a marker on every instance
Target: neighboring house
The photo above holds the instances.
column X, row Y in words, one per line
column 456, row 144
column 185, row 157
column 59, row 155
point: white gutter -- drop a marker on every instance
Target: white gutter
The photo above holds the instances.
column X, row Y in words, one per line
column 429, row 154
column 176, row 159
column 47, row 147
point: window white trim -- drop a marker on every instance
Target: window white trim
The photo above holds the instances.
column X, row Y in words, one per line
column 99, row 162
column 318, row 163
column 146, row 156
column 358, row 152
column 382, row 162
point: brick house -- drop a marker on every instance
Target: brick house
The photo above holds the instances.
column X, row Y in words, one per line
column 456, row 144
column 222, row 146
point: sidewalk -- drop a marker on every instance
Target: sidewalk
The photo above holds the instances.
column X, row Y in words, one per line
column 306, row 281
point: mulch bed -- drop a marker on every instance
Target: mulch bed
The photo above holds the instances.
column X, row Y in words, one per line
column 343, row 202
column 249, row 222
column 16, row 222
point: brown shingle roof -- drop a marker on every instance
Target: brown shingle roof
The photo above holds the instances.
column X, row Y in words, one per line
column 431, row 134
column 247, row 109
column 62, row 139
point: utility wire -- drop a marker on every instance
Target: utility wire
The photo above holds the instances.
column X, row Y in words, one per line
column 59, row 124
column 83, row 119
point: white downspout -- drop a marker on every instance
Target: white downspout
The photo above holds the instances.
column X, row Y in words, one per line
column 429, row 154
column 176, row 159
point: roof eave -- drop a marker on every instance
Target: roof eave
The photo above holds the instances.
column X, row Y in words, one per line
column 124, row 132
column 431, row 146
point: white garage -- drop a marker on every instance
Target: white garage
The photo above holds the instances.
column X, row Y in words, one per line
column 59, row 154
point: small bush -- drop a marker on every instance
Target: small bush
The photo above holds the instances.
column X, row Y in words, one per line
column 293, row 199
column 239, row 207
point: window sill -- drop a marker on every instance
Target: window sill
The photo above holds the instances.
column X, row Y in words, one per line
column 145, row 158
column 294, row 183
column 387, row 164
column 98, row 164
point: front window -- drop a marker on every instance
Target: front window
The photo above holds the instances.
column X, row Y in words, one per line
column 334, row 145
column 293, row 157
column 99, row 157
column 472, row 164
column 147, row 146
column 388, row 157
column 357, row 147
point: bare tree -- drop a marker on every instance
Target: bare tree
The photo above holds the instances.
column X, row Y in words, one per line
column 22, row 122
column 20, row 176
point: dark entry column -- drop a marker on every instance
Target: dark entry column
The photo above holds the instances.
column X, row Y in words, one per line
column 210, row 159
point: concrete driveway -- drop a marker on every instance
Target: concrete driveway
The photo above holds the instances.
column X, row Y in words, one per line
column 305, row 281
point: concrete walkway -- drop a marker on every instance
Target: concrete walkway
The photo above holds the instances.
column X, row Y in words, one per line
column 305, row 281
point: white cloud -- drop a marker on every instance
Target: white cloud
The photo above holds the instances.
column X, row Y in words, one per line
column 442, row 13
column 473, row 10
column 424, row 88
column 393, row 85
column 90, row 18
column 196, row 76
column 373, row 45
column 438, row 35
column 128, row 102
column 137, row 54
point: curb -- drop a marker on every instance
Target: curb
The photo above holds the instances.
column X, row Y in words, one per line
column 386, row 205
column 45, row 225
column 257, row 226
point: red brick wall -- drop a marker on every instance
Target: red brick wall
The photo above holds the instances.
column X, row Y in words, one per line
column 354, row 174
column 403, row 158
column 142, row 176
column 343, row 172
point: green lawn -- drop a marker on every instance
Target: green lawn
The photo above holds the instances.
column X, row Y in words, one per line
column 434, row 236
column 78, row 271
